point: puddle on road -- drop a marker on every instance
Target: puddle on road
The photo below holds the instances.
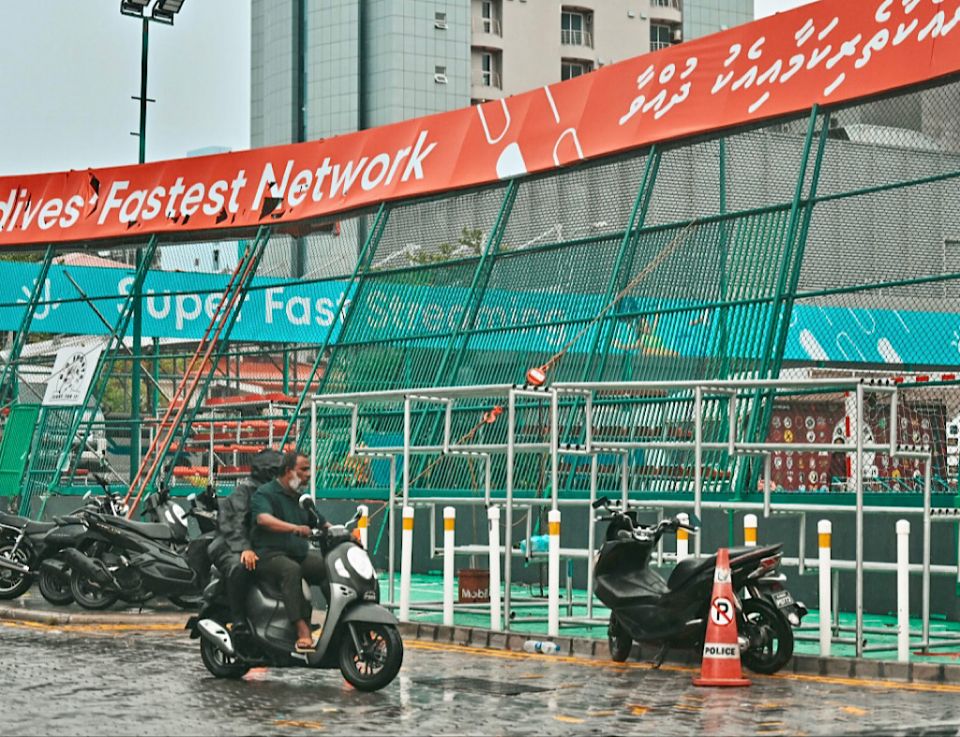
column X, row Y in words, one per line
column 481, row 685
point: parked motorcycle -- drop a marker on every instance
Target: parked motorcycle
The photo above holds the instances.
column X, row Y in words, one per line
column 673, row 613
column 29, row 551
column 359, row 636
column 136, row 561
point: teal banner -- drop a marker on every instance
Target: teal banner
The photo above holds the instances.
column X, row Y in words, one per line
column 180, row 305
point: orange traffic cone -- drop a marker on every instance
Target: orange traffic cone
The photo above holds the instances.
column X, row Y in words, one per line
column 721, row 649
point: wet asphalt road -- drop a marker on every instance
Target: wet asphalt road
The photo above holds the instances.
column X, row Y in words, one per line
column 92, row 681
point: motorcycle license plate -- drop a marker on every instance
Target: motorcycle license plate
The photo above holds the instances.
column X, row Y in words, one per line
column 782, row 599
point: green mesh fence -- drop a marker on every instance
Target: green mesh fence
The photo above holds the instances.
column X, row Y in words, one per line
column 823, row 245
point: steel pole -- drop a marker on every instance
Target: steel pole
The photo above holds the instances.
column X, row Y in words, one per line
column 135, row 419
column 859, row 521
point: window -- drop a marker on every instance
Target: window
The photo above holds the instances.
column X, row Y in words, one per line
column 661, row 36
column 489, row 20
column 440, row 20
column 440, row 74
column 573, row 28
column 570, row 68
column 486, row 68
column 488, row 73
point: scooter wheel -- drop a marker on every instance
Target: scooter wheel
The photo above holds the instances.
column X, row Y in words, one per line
column 54, row 588
column 13, row 583
column 379, row 659
column 771, row 638
column 619, row 641
column 88, row 595
column 219, row 664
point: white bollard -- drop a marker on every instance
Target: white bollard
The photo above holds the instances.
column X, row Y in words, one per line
column 406, row 562
column 824, row 530
column 449, row 525
column 493, row 522
column 363, row 524
column 903, row 591
column 683, row 538
column 553, row 578
column 750, row 530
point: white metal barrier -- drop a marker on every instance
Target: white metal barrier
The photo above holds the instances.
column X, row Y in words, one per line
column 583, row 395
column 824, row 531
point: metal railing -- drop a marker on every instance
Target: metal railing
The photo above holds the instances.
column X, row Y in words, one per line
column 576, row 38
column 487, row 25
column 576, row 402
column 487, row 79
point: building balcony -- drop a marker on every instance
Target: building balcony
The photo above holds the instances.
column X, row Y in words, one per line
column 670, row 11
column 486, row 26
column 576, row 38
column 486, row 86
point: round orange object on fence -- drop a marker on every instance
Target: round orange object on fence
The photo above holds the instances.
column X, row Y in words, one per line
column 536, row 376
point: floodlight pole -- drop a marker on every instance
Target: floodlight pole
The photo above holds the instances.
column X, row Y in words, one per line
column 135, row 419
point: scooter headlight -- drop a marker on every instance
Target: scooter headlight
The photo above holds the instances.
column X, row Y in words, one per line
column 360, row 562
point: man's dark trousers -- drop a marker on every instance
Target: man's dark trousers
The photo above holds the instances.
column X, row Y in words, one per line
column 279, row 568
column 237, row 578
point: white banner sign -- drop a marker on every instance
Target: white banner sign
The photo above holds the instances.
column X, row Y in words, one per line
column 72, row 373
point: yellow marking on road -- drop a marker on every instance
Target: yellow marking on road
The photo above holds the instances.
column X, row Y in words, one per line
column 510, row 655
column 804, row 678
column 637, row 710
column 319, row 726
column 568, row 720
column 96, row 628
column 855, row 710
column 606, row 713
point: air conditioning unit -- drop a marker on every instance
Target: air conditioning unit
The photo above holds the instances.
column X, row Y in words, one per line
column 677, row 35
column 440, row 24
column 440, row 78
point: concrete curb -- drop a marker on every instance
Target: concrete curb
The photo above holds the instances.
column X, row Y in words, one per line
column 584, row 647
column 16, row 614
column 578, row 647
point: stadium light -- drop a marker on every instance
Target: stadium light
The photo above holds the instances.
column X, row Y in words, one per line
column 164, row 10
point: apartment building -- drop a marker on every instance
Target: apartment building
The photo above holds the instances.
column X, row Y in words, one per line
column 326, row 67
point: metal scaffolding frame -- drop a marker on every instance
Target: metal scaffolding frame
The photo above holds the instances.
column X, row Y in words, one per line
column 580, row 398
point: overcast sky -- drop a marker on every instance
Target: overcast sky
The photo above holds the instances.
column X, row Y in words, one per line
column 69, row 70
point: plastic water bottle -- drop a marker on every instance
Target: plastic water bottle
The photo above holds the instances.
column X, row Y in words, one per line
column 541, row 646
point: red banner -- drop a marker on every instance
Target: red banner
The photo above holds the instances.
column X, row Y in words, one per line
column 829, row 52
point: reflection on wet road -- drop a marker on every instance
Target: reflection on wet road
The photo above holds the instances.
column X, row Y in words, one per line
column 103, row 682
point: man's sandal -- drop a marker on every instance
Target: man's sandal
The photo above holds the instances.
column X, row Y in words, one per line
column 305, row 645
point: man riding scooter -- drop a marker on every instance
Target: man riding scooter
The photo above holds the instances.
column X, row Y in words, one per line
column 279, row 537
column 232, row 550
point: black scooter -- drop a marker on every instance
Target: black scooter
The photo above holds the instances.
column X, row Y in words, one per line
column 30, row 551
column 359, row 636
column 673, row 613
column 139, row 560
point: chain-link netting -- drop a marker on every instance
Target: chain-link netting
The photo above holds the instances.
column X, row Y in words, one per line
column 829, row 242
